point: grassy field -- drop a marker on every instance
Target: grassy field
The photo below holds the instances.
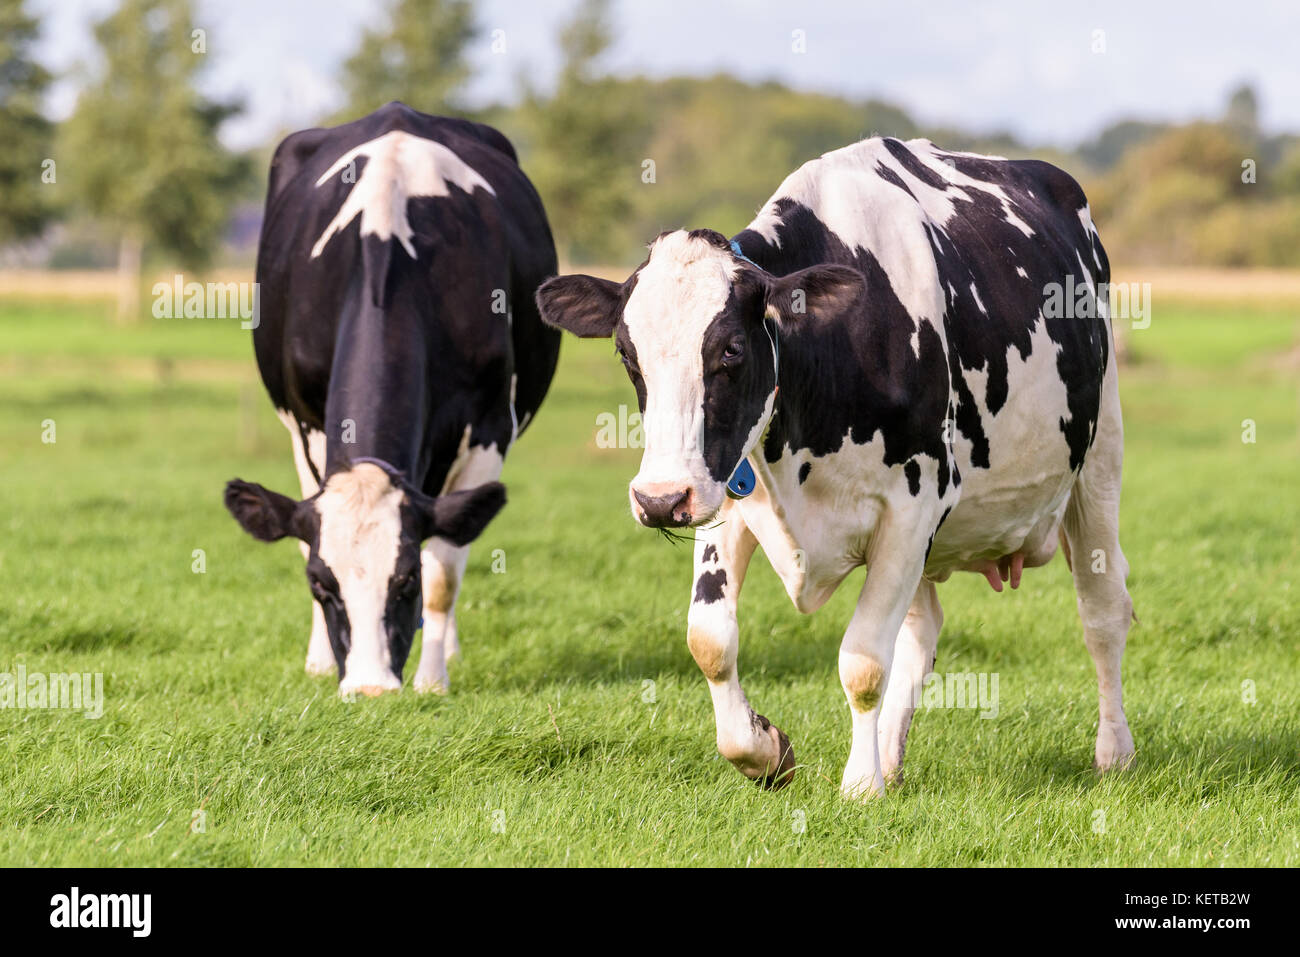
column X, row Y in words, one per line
column 578, row 729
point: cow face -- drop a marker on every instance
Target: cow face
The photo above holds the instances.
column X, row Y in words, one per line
column 698, row 329
column 364, row 530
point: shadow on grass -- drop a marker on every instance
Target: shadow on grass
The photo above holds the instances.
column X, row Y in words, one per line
column 38, row 633
column 108, row 402
column 1237, row 760
column 604, row 655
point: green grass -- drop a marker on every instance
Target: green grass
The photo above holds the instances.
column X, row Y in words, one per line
column 552, row 729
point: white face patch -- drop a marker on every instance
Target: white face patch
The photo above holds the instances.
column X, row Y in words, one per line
column 398, row 166
column 360, row 531
column 678, row 293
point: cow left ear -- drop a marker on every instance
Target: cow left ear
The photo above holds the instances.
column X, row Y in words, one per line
column 817, row 291
column 460, row 517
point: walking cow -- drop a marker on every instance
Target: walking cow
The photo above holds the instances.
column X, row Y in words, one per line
column 876, row 367
column 401, row 346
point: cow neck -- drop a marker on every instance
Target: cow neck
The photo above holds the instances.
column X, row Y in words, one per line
column 378, row 397
column 810, row 376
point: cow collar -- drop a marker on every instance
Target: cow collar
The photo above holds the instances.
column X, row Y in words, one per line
column 742, row 480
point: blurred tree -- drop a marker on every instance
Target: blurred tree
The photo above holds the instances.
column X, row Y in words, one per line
column 1183, row 198
column 418, row 57
column 1105, row 149
column 141, row 149
column 1242, row 114
column 586, row 142
column 1287, row 178
column 27, row 136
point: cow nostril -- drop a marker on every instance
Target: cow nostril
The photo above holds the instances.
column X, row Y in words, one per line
column 669, row 509
column 371, row 691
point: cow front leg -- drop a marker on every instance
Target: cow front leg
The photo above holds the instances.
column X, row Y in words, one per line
column 867, row 651
column 320, row 655
column 442, row 567
column 758, row 748
column 913, row 660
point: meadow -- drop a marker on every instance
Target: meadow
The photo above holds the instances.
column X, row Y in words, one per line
column 578, row 729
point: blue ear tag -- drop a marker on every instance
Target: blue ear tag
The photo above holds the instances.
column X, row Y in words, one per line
column 742, row 480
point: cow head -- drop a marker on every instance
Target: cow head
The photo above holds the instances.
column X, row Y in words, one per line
column 363, row 530
column 698, row 328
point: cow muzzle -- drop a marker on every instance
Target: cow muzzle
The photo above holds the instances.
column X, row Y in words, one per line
column 663, row 504
column 368, row 680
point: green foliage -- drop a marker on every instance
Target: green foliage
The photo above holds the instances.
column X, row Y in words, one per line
column 417, row 57
column 26, row 136
column 583, row 143
column 729, row 144
column 1107, row 148
column 140, row 151
column 1184, row 196
column 618, row 160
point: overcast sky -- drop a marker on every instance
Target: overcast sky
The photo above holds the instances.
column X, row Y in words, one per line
column 1026, row 66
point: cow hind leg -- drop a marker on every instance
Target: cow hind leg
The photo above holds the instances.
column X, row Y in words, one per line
column 1091, row 533
column 913, row 659
column 320, row 656
column 443, row 568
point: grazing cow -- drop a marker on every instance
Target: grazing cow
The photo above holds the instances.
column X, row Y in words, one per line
column 401, row 345
column 874, row 370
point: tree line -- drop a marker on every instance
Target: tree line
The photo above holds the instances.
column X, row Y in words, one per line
column 617, row 159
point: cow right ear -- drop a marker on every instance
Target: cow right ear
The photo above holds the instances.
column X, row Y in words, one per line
column 583, row 305
column 267, row 516
column 460, row 517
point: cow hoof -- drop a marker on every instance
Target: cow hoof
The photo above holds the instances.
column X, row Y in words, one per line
column 1114, row 749
column 1114, row 763
column 431, row 686
column 784, row 773
column 318, row 669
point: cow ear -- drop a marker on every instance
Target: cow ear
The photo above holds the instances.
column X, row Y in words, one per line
column 460, row 517
column 584, row 305
column 816, row 291
column 267, row 516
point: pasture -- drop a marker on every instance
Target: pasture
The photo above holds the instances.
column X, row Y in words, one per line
column 578, row 729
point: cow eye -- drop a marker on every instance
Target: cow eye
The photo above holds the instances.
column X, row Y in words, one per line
column 734, row 352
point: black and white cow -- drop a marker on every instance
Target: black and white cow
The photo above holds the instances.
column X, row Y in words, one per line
column 875, row 347
column 401, row 345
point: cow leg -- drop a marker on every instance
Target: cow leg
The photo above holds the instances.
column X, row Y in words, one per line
column 320, row 656
column 757, row 748
column 1091, row 534
column 866, row 653
column 443, row 567
column 913, row 660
